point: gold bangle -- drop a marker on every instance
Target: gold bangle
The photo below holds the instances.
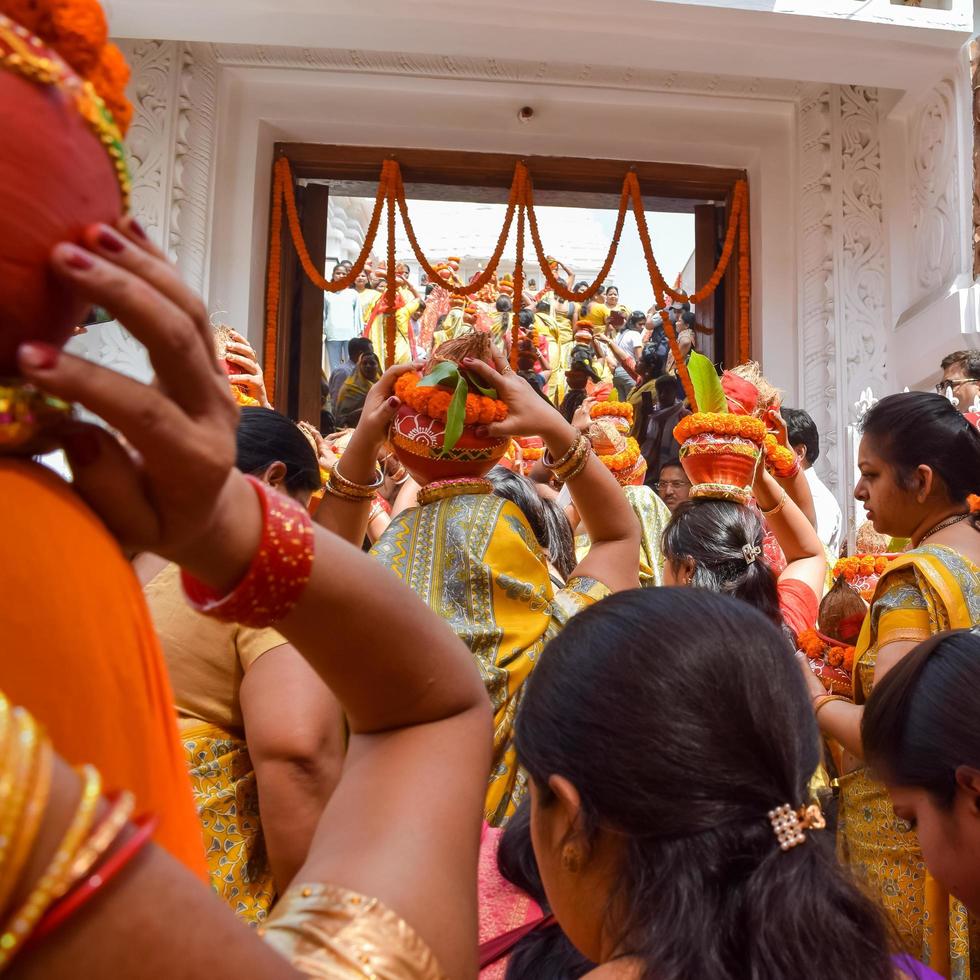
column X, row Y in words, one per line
column 23, row 921
column 574, row 467
column 339, row 486
column 20, row 742
column 566, row 459
column 580, row 466
column 30, row 823
column 777, row 508
column 570, row 460
column 103, row 837
column 824, row 700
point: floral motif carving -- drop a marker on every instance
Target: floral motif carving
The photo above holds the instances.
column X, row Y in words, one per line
column 817, row 306
column 933, row 191
column 862, row 330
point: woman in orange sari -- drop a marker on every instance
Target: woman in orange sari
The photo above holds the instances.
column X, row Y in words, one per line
column 919, row 460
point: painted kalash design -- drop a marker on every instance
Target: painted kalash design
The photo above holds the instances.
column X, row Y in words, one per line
column 434, row 433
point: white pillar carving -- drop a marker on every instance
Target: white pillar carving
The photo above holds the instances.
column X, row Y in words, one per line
column 843, row 270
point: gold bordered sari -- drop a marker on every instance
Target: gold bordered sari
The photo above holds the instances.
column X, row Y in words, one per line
column 921, row 593
column 475, row 561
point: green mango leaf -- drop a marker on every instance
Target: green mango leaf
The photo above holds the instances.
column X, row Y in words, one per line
column 476, row 386
column 455, row 416
column 444, row 373
column 707, row 385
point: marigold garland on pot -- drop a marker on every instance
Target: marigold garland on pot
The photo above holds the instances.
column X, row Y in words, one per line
column 623, row 460
column 434, row 402
column 840, row 657
column 861, row 566
column 699, row 423
column 623, row 410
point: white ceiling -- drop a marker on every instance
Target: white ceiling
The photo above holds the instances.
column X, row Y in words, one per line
column 870, row 42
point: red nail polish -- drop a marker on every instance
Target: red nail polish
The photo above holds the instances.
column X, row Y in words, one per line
column 109, row 240
column 83, row 448
column 76, row 258
column 137, row 229
column 36, row 356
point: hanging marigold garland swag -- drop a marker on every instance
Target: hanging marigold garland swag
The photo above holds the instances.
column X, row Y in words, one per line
column 520, row 202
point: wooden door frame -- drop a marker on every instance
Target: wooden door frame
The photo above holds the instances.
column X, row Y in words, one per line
column 315, row 161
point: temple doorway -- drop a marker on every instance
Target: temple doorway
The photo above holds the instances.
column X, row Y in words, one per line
column 688, row 210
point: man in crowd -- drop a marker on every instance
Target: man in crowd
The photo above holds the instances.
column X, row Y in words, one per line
column 341, row 321
column 673, row 486
column 657, row 443
column 805, row 440
column 961, row 379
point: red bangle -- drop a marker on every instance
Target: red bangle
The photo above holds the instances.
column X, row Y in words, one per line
column 65, row 908
column 279, row 571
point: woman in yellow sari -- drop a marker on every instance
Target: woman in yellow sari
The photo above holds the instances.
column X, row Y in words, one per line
column 919, row 460
column 473, row 558
column 259, row 784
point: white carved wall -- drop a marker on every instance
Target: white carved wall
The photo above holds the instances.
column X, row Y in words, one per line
column 879, row 229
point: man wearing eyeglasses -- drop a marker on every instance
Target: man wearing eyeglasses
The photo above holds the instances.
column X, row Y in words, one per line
column 961, row 380
column 673, row 486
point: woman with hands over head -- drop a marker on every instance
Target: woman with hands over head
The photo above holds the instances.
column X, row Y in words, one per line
column 394, row 895
column 473, row 558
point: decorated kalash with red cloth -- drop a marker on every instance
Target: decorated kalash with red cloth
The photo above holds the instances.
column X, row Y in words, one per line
column 720, row 448
column 81, row 656
column 748, row 393
column 470, row 554
column 619, row 452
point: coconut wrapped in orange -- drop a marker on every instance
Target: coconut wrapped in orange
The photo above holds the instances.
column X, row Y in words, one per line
column 719, row 450
column 434, row 432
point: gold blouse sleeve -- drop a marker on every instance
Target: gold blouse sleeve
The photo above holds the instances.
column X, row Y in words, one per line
column 328, row 931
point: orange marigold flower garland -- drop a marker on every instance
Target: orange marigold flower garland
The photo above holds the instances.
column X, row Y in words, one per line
column 110, row 76
column 974, row 501
column 623, row 410
column 780, row 461
column 838, row 656
column 626, row 459
column 744, row 287
column 861, row 566
column 719, row 423
column 434, row 402
column 79, row 32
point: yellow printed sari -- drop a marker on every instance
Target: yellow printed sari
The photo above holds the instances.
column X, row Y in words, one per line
column 227, row 799
column 921, row 593
column 474, row 560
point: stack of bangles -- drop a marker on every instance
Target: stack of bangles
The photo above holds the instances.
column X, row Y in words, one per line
column 821, row 700
column 358, row 493
column 91, row 852
column 572, row 463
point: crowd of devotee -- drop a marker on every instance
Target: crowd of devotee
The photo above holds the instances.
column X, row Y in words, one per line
column 546, row 653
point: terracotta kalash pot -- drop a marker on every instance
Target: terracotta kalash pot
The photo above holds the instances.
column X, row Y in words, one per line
column 433, row 433
column 719, row 450
column 62, row 166
column 617, row 450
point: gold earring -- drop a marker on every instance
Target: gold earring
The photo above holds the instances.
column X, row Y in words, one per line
column 571, row 859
